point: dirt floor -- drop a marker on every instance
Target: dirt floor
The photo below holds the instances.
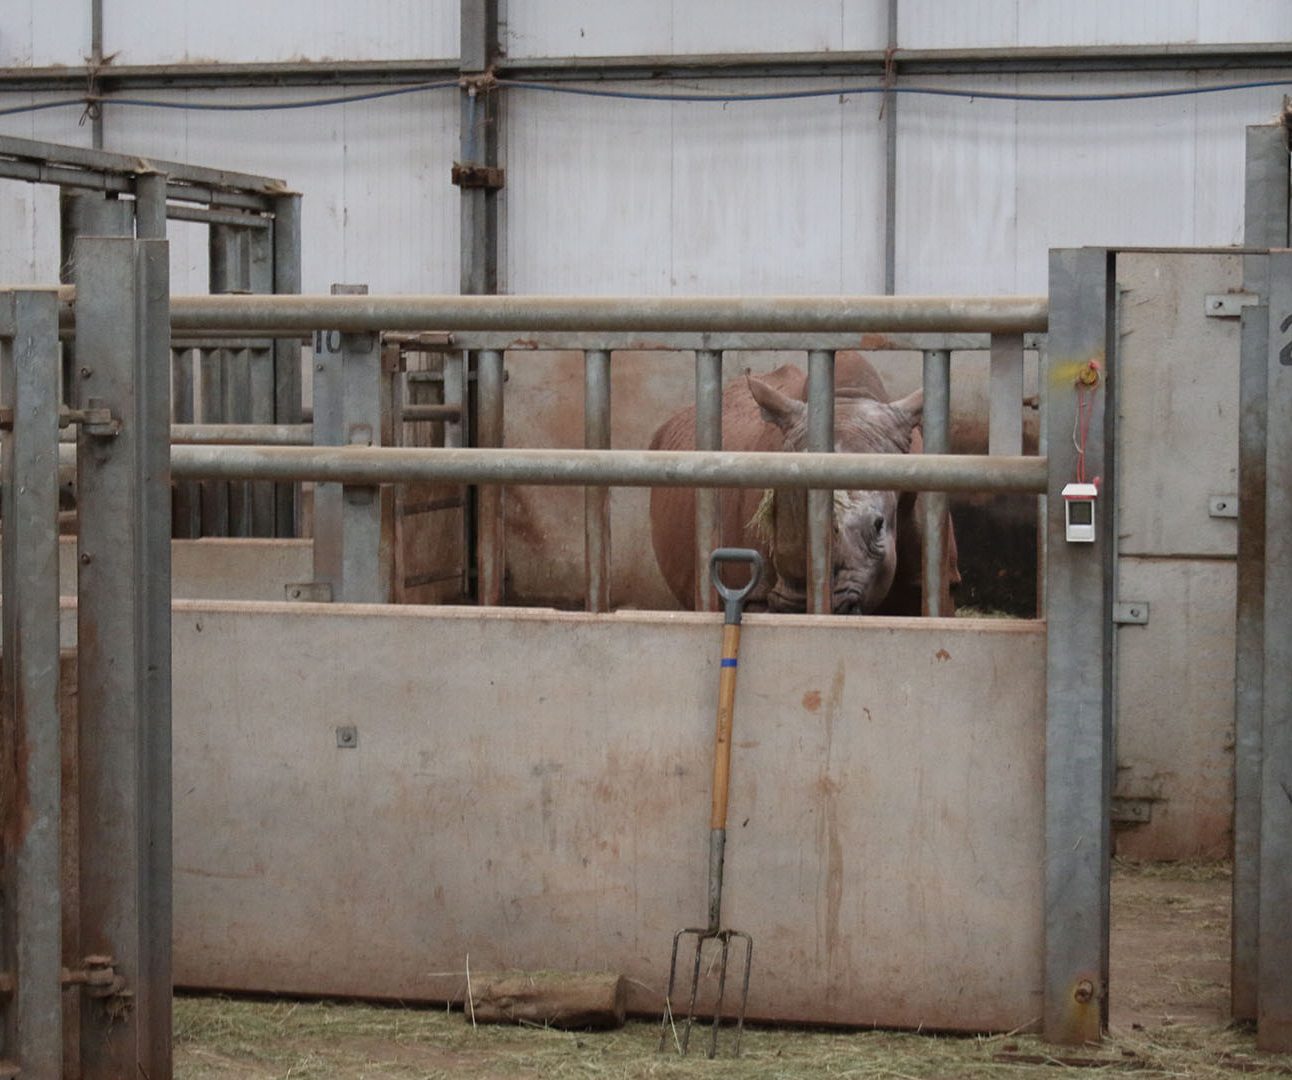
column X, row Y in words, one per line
column 1169, row 998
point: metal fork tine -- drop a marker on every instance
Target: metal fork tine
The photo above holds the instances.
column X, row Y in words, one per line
column 722, row 989
column 695, row 990
column 744, row 991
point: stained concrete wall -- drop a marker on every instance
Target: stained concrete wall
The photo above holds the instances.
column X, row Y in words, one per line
column 531, row 790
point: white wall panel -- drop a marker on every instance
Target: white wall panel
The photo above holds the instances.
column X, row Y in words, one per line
column 861, row 208
column 600, row 28
column 379, row 207
column 957, row 209
column 588, row 202
column 252, row 30
column 44, row 32
column 719, row 26
column 930, row 24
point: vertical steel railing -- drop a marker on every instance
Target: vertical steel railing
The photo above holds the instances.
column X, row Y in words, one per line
column 490, row 552
column 596, row 500
column 708, row 436
column 936, row 424
column 820, row 504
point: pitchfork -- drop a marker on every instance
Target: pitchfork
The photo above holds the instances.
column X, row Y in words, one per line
column 733, row 603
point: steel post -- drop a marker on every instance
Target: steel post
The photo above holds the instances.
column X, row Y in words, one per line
column 150, row 206
column 30, row 765
column 457, row 433
column 213, row 494
column 259, row 408
column 367, row 521
column 708, row 436
column 1266, row 225
column 820, row 502
column 287, row 353
column 329, row 430
column 186, row 518
column 1078, row 733
column 1274, row 927
column 596, row 500
column 230, row 272
column 1005, row 427
column 123, row 652
column 937, row 440
column 491, row 557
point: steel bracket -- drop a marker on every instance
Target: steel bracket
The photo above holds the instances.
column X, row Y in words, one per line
column 1228, row 305
column 468, row 175
column 1222, row 506
column 1131, row 613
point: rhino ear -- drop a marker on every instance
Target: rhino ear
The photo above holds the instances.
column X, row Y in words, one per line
column 909, row 410
column 776, row 408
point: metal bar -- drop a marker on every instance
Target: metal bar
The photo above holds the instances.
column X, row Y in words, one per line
column 102, row 161
column 417, row 414
column 596, row 500
column 1078, row 731
column 455, row 396
column 287, row 352
column 367, row 512
column 30, row 795
column 261, row 374
column 937, row 440
column 123, row 653
column 355, row 314
column 708, row 436
column 1005, row 427
column 84, row 214
column 206, row 216
column 721, row 341
column 1266, row 224
column 214, row 494
column 150, row 206
column 889, row 109
column 820, row 502
column 1274, row 929
column 491, row 554
column 186, row 521
column 244, row 434
column 953, row 61
column 617, row 468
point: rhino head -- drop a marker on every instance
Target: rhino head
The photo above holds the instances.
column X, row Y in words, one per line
column 865, row 522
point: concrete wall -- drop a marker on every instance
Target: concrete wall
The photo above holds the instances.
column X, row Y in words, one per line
column 531, row 789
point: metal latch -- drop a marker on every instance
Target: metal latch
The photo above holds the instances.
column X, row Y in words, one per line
column 1222, row 506
column 1228, row 305
column 95, row 420
column 1131, row 613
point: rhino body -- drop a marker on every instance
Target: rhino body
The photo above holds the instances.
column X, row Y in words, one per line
column 878, row 535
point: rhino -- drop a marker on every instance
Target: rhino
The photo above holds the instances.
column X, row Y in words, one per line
column 878, row 534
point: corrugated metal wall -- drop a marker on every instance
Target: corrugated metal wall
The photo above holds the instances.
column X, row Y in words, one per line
column 625, row 196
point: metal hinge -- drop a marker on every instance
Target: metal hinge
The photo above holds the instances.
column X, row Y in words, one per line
column 1228, row 305
column 1131, row 613
column 102, row 983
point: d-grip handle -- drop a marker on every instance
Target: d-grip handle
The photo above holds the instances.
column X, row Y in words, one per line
column 733, row 600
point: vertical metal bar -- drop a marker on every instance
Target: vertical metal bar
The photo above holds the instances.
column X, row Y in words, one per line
column 329, row 430
column 30, row 769
column 457, row 433
column 236, row 367
column 1078, row 732
column 123, row 635
column 596, row 500
column 708, row 436
column 150, row 206
column 367, row 520
column 1005, row 430
column 229, row 273
column 1266, row 225
column 287, row 353
column 84, row 213
column 214, row 493
column 478, row 145
column 1043, row 449
column 1274, row 927
column 186, row 516
column 490, row 551
column 890, row 163
column 260, row 377
column 937, row 440
column 820, row 514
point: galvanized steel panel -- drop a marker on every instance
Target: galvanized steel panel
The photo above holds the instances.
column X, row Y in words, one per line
column 43, row 33
column 549, row 811
column 1175, row 707
column 250, row 30
column 1178, row 406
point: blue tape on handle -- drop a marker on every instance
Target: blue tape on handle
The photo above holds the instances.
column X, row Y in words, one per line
column 730, row 661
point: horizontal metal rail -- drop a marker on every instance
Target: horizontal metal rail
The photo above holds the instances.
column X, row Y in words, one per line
column 232, row 434
column 616, row 468
column 358, row 314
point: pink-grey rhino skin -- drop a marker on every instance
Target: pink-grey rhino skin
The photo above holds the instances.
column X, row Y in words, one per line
column 877, row 567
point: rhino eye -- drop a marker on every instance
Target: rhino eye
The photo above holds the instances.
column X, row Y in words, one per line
column 879, row 526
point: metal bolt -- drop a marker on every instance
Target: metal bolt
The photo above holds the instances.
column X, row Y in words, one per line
column 86, row 558
column 86, row 372
column 1085, row 992
column 347, row 736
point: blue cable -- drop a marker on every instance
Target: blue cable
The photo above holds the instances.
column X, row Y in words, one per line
column 630, row 95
